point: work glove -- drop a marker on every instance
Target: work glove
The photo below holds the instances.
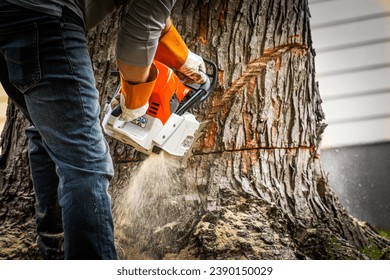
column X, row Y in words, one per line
column 129, row 115
column 173, row 52
column 194, row 68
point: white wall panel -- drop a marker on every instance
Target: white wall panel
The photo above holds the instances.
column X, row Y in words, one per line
column 352, row 42
column 356, row 83
column 352, row 59
column 363, row 132
column 337, row 11
column 357, row 108
column 356, row 33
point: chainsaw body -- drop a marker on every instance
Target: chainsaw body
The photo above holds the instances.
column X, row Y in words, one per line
column 167, row 124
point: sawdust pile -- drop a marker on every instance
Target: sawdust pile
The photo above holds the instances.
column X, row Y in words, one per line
column 156, row 206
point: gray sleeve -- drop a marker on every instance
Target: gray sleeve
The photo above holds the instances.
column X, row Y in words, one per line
column 140, row 30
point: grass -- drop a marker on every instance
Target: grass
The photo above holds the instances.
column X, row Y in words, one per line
column 384, row 233
column 372, row 251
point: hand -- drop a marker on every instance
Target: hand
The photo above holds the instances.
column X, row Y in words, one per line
column 129, row 115
column 194, row 68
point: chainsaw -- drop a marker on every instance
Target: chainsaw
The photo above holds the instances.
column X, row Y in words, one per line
column 167, row 125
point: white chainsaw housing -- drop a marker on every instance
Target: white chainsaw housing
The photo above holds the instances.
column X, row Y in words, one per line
column 147, row 132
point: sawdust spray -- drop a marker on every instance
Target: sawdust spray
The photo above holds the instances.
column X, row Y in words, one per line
column 155, row 206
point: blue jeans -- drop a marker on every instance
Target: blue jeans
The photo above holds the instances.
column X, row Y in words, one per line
column 46, row 70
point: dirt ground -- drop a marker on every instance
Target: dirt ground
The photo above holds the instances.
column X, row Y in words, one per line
column 18, row 242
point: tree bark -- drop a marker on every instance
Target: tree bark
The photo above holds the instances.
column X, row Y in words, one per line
column 17, row 231
column 254, row 187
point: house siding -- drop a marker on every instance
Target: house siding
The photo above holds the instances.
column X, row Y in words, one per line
column 352, row 43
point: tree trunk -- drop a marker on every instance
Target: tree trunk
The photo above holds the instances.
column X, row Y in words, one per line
column 17, row 223
column 253, row 187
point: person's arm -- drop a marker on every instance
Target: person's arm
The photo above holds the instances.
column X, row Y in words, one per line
column 139, row 74
column 146, row 34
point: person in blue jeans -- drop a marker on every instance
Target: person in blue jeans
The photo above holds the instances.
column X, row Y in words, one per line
column 45, row 69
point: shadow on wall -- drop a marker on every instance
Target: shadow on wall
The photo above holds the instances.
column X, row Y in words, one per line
column 360, row 176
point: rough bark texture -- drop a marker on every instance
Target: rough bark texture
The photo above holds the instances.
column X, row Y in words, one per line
column 17, row 231
column 253, row 187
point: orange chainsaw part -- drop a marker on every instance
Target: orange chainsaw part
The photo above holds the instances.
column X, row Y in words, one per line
column 167, row 84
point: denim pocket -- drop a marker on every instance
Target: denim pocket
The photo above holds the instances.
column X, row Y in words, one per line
column 22, row 56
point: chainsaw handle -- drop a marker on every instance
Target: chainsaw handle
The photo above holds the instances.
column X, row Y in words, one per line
column 202, row 92
column 209, row 86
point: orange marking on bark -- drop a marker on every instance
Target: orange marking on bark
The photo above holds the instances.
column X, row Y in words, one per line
column 278, row 64
column 210, row 134
column 254, row 157
column 274, row 131
column 244, row 163
column 203, row 25
column 220, row 76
